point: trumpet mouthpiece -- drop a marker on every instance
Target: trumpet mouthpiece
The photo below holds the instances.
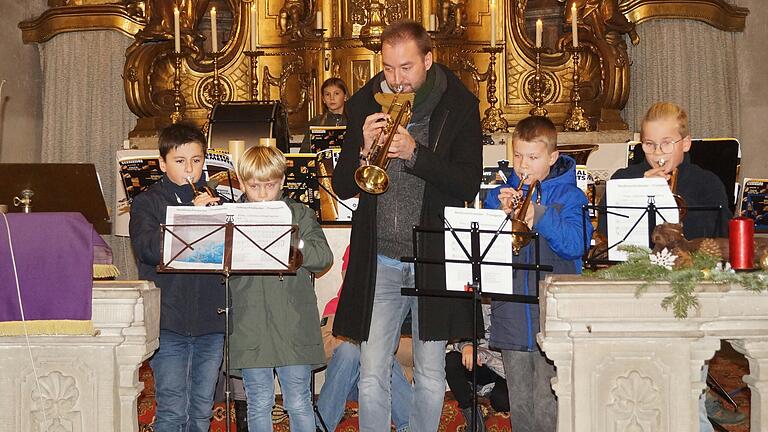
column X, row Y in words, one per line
column 661, row 162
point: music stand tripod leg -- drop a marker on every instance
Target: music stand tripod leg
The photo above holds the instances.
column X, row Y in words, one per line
column 227, row 385
column 476, row 301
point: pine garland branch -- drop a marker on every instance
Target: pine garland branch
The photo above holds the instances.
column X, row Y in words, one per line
column 683, row 282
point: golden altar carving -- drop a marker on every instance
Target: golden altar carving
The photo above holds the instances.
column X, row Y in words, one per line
column 292, row 58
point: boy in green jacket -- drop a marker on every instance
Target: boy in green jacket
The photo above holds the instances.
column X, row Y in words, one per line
column 276, row 325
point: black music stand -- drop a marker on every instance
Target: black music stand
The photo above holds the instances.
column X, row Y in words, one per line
column 651, row 210
column 476, row 257
column 287, row 266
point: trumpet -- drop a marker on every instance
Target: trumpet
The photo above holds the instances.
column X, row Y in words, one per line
column 372, row 177
column 518, row 220
column 203, row 190
column 681, row 204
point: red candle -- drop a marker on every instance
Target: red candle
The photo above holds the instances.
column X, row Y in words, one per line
column 742, row 243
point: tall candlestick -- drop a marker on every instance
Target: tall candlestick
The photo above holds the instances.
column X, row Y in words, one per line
column 176, row 31
column 493, row 23
column 214, row 35
column 319, row 20
column 539, row 29
column 254, row 26
column 575, row 25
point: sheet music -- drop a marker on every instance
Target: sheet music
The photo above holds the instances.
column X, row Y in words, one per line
column 268, row 247
column 495, row 279
column 635, row 193
column 246, row 255
column 205, row 254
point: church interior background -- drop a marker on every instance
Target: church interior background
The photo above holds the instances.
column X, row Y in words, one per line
column 84, row 76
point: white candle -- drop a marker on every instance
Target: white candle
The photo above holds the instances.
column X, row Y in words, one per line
column 176, row 31
column 319, row 20
column 254, row 26
column 236, row 149
column 214, row 35
column 575, row 25
column 539, row 29
column 493, row 23
column 432, row 22
column 268, row 142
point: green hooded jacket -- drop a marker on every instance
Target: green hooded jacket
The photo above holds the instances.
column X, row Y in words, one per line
column 276, row 322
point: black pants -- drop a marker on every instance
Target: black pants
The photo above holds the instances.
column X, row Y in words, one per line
column 460, row 382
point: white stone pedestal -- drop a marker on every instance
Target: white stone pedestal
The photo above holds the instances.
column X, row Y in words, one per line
column 84, row 383
column 625, row 364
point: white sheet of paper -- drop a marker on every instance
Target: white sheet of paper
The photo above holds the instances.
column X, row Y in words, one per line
column 206, row 254
column 495, row 279
column 246, row 255
column 635, row 193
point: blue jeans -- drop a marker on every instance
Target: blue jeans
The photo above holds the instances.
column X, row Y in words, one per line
column 260, row 392
column 186, row 369
column 341, row 378
column 389, row 311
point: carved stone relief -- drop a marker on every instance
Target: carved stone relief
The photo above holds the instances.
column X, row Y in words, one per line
column 635, row 404
column 54, row 402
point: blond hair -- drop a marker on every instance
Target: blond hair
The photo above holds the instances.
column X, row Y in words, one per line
column 536, row 129
column 668, row 110
column 261, row 163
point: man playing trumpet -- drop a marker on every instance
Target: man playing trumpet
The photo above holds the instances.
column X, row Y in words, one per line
column 435, row 161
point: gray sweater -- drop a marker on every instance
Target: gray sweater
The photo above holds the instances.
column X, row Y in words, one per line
column 399, row 209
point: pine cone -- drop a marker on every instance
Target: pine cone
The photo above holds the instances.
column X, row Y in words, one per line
column 683, row 260
column 709, row 246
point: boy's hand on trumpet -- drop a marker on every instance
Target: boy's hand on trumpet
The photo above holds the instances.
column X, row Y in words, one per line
column 511, row 199
column 204, row 199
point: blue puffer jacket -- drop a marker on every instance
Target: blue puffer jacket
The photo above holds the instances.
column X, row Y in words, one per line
column 560, row 222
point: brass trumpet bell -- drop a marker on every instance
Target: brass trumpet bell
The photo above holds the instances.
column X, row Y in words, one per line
column 372, row 179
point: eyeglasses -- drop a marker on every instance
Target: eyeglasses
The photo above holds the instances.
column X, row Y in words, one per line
column 666, row 147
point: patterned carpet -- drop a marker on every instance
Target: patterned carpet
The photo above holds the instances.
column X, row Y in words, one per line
column 728, row 367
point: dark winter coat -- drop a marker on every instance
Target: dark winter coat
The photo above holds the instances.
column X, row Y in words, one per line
column 698, row 187
column 189, row 302
column 451, row 166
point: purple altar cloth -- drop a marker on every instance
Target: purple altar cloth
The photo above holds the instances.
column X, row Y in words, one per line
column 54, row 257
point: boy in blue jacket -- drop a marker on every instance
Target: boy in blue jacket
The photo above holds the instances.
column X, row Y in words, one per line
column 560, row 222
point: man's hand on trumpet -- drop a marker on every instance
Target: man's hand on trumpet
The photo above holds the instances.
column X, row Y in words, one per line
column 372, row 128
column 403, row 145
